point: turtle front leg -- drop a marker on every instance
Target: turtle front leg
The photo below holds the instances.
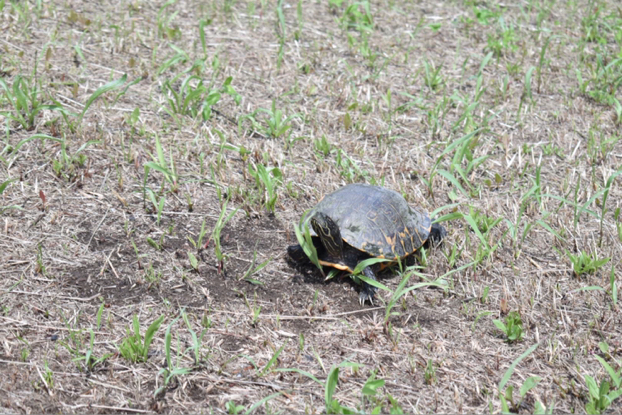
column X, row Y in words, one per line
column 368, row 291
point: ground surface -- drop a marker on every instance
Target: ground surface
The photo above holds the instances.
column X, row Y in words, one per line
column 508, row 112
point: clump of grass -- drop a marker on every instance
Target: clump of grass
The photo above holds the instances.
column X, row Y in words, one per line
column 586, row 263
column 430, row 373
column 506, row 395
column 133, row 348
column 602, row 395
column 267, row 179
column 512, row 327
column 3, row 187
column 223, row 219
column 275, row 125
column 24, row 96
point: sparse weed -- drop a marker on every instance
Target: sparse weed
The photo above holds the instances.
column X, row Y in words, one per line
column 526, row 95
column 603, row 80
column 585, row 263
column 273, row 360
column 590, row 24
column 484, row 249
column 40, row 267
column 157, row 203
column 252, row 269
column 233, row 408
column 370, row 400
column 429, row 375
column 194, row 262
column 350, row 169
column 511, row 111
column 484, row 223
column 506, row 395
column 512, row 328
column 613, row 288
column 357, row 16
column 504, row 41
column 267, row 181
column 485, row 16
column 603, row 203
column 618, row 110
column 88, row 357
column 24, row 97
column 195, row 99
column 223, row 219
column 133, row 347
column 276, row 124
column 24, row 354
column 484, row 297
column 332, row 405
column 65, row 165
column 48, row 377
column 83, row 353
column 74, row 120
column 402, row 290
column 164, row 20
column 198, row 244
column 173, row 370
column 281, row 32
column 603, row 395
column 323, row 146
column 151, row 275
column 3, row 187
column 180, row 57
column 197, row 340
column 159, row 164
column 431, row 75
column 462, row 149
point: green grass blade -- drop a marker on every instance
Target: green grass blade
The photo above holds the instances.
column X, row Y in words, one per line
column 158, row 167
column 331, row 385
column 615, row 377
column 151, row 331
column 301, row 372
column 475, row 228
column 510, row 371
column 261, row 402
column 99, row 92
column 452, row 179
column 272, row 361
column 373, row 282
column 4, row 185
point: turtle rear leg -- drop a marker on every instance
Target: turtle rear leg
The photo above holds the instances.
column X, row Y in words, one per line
column 368, row 291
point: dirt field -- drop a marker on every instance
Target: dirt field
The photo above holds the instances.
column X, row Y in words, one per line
column 156, row 156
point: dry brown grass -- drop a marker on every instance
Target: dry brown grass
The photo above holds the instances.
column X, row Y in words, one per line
column 69, row 247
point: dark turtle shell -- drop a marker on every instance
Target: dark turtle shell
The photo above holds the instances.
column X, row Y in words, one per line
column 376, row 220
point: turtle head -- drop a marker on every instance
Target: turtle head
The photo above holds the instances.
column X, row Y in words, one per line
column 329, row 233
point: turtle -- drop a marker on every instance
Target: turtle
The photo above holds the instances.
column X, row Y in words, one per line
column 361, row 221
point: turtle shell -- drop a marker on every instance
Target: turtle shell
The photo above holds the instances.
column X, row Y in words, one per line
column 376, row 220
